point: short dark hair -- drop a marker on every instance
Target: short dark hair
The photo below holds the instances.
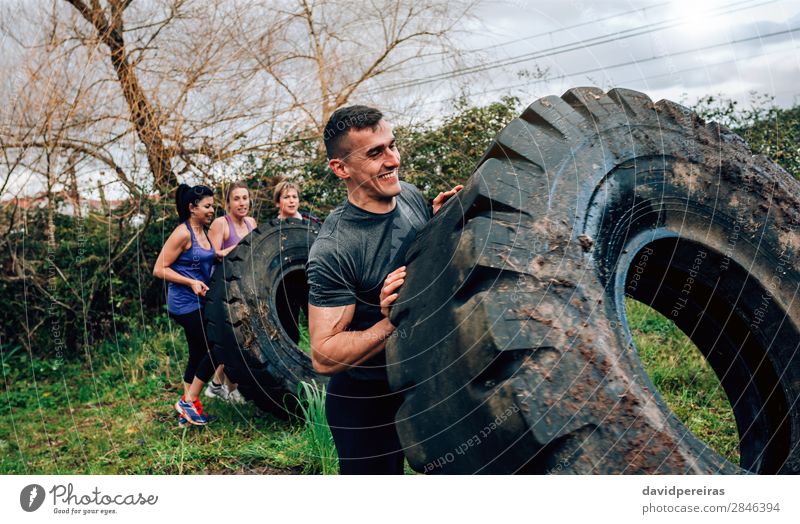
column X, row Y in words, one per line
column 340, row 123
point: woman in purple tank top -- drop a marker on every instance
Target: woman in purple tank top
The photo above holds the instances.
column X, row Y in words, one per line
column 228, row 230
column 225, row 233
column 185, row 262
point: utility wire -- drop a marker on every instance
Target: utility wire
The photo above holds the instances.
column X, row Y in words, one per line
column 628, row 63
column 545, row 33
column 564, row 48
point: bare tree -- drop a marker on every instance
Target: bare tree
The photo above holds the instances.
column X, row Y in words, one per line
column 166, row 83
column 140, row 95
column 109, row 26
column 190, row 85
column 322, row 53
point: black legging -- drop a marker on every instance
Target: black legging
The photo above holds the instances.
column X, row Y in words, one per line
column 202, row 360
column 361, row 417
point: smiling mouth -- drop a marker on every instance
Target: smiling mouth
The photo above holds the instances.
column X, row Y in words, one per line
column 386, row 176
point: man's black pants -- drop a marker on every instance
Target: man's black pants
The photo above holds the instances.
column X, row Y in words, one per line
column 361, row 417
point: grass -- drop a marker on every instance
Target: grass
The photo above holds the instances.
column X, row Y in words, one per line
column 113, row 413
column 316, row 431
column 305, row 339
column 688, row 384
column 110, row 411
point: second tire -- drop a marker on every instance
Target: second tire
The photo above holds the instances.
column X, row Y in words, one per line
column 253, row 308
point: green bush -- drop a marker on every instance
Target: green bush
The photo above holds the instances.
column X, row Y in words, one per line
column 768, row 129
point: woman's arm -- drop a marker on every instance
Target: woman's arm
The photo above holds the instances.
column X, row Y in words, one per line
column 226, row 232
column 217, row 235
column 177, row 243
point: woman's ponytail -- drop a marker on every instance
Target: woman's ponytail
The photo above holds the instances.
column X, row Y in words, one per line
column 186, row 195
column 182, row 201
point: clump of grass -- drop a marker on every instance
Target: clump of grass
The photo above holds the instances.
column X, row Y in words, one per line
column 685, row 380
column 321, row 456
column 305, row 339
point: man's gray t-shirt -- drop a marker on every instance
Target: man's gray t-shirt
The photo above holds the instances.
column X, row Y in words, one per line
column 353, row 253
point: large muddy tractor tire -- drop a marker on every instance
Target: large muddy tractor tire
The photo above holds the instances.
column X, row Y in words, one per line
column 252, row 309
column 512, row 346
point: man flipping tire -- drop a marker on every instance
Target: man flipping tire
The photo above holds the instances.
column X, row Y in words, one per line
column 354, row 271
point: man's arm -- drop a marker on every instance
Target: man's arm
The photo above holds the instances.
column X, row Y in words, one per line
column 333, row 349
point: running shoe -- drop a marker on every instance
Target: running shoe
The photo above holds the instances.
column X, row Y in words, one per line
column 219, row 391
column 193, row 412
column 199, row 407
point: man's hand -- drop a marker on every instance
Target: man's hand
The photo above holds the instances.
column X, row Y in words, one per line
column 443, row 197
column 393, row 281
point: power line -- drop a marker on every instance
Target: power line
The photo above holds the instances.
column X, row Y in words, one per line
column 629, row 63
column 564, row 48
column 721, row 10
column 570, row 27
column 697, row 68
column 546, row 33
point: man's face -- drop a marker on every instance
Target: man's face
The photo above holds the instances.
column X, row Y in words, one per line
column 371, row 167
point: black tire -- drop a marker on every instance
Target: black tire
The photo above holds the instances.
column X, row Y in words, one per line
column 513, row 347
column 252, row 308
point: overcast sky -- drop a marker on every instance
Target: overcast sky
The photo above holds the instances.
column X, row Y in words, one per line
column 679, row 49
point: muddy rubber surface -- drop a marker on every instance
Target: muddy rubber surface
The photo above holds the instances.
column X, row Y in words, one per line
column 253, row 307
column 516, row 356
